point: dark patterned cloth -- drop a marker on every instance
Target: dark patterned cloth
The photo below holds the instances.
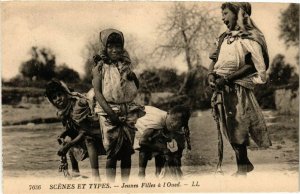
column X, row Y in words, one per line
column 239, row 116
column 115, row 136
column 77, row 117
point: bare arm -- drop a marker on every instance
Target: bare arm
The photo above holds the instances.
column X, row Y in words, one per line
column 146, row 142
column 211, row 78
column 63, row 134
column 246, row 70
column 68, row 145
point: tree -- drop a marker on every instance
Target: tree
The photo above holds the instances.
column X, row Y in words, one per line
column 41, row 65
column 149, row 81
column 168, row 79
column 92, row 47
column 280, row 72
column 189, row 29
column 289, row 25
column 46, row 72
column 63, row 72
column 30, row 68
column 195, row 87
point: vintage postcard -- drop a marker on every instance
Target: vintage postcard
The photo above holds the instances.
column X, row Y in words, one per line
column 149, row 97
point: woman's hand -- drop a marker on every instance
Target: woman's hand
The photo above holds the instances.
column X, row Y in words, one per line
column 211, row 80
column 220, row 82
column 114, row 119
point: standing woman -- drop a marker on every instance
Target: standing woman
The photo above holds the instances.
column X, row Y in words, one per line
column 239, row 62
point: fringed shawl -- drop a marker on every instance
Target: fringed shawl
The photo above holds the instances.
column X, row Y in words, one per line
column 248, row 30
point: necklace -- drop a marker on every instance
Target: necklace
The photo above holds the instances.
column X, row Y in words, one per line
column 232, row 36
column 231, row 39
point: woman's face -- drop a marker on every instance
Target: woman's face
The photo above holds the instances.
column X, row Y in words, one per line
column 114, row 50
column 229, row 18
column 60, row 100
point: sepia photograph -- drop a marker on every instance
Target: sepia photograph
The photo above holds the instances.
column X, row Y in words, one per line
column 149, row 97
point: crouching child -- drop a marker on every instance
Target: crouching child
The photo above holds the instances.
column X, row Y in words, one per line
column 82, row 137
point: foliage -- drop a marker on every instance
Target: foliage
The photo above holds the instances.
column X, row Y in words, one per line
column 169, row 79
column 196, row 88
column 282, row 75
column 91, row 49
column 41, row 65
column 289, row 25
column 66, row 74
column 160, row 80
column 20, row 81
column 149, row 81
column 280, row 72
column 193, row 93
column 265, row 95
column 30, row 68
column 188, row 29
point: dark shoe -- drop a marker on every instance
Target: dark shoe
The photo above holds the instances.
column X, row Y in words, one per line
column 243, row 162
column 245, row 168
column 249, row 166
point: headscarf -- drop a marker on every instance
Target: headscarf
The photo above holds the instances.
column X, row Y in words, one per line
column 246, row 30
column 77, row 102
column 103, row 37
column 56, row 85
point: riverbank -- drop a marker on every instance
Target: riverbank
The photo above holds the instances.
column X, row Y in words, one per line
column 283, row 154
column 276, row 168
column 23, row 114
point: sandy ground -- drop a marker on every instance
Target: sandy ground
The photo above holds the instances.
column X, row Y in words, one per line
column 276, row 168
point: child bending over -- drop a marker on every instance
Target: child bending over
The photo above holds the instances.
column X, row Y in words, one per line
column 163, row 137
column 81, row 127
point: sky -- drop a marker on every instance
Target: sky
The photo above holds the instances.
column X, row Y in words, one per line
column 66, row 27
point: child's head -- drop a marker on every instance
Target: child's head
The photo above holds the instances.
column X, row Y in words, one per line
column 113, row 43
column 237, row 14
column 229, row 15
column 57, row 94
column 177, row 118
